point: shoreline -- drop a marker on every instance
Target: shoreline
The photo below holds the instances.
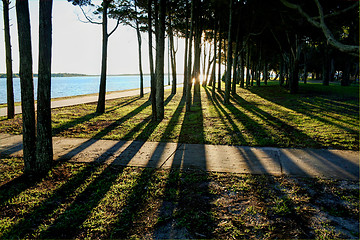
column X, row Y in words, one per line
column 3, row 105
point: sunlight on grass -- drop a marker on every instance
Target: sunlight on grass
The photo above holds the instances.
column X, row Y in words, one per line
column 77, row 201
column 318, row 117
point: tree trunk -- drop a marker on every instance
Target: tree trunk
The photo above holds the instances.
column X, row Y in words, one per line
column 229, row 57
column 102, row 92
column 151, row 59
column 189, row 70
column 173, row 58
column 345, row 81
column 139, row 46
column 242, row 84
column 265, row 74
column 9, row 71
column 44, row 148
column 219, row 73
column 214, row 66
column 305, row 70
column 282, row 67
column 235, row 62
column 186, row 50
column 248, row 65
column 27, row 85
column 209, row 66
column 159, row 71
column 325, row 68
column 197, row 45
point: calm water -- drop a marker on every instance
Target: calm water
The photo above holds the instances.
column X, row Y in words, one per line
column 72, row 86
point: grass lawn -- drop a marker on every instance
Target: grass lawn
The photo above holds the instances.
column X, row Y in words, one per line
column 317, row 117
column 78, row 200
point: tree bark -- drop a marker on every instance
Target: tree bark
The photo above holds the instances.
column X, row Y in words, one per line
column 189, row 70
column 242, row 82
column 197, row 46
column 305, row 70
column 186, row 50
column 44, row 148
column 325, row 68
column 219, row 69
column 140, row 61
column 102, row 92
column 248, row 65
column 172, row 58
column 235, row 62
column 215, row 57
column 282, row 68
column 265, row 74
column 27, row 85
column 160, row 60
column 229, row 57
column 151, row 59
column 9, row 71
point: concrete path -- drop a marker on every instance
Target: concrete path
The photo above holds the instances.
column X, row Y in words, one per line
column 337, row 164
column 76, row 100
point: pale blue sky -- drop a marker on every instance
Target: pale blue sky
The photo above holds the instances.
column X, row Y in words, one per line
column 77, row 45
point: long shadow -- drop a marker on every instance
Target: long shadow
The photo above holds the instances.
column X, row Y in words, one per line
column 104, row 132
column 88, row 117
column 292, row 133
column 297, row 220
column 40, row 210
column 136, row 201
column 12, row 149
column 174, row 119
column 92, row 195
column 220, row 111
column 306, row 112
column 252, row 127
column 251, row 160
column 60, row 196
column 299, row 105
column 102, row 184
column 192, row 199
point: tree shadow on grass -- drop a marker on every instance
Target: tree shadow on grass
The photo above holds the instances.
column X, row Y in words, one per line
column 62, row 195
column 234, row 131
column 259, row 133
column 85, row 202
column 20, row 184
column 63, row 127
column 310, row 101
column 186, row 207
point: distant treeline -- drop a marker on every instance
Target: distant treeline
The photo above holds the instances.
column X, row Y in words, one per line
column 16, row 75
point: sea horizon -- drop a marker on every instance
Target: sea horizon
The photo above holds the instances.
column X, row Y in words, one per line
column 82, row 85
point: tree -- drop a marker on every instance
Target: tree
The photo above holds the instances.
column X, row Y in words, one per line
column 9, row 72
column 151, row 59
column 159, row 69
column 319, row 22
column 229, row 56
column 44, row 149
column 189, row 69
column 139, row 46
column 27, row 86
column 186, row 49
column 105, row 36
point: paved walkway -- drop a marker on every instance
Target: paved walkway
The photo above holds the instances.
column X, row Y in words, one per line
column 76, row 100
column 336, row 164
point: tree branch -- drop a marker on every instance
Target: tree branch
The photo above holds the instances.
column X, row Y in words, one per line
column 339, row 12
column 117, row 25
column 87, row 18
column 350, row 49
